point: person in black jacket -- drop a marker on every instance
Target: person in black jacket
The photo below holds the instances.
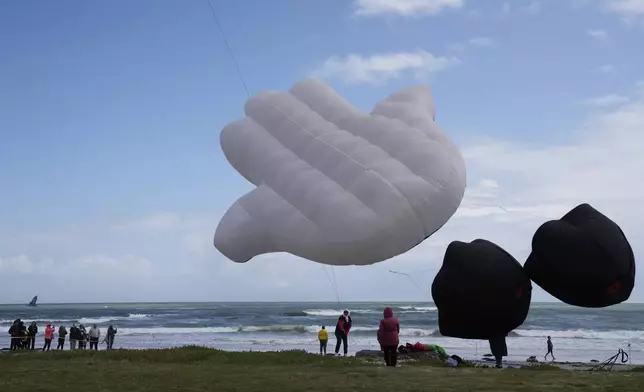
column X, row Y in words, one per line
column 22, row 336
column 62, row 333
column 109, row 338
column 342, row 328
column 13, row 332
column 32, row 331
column 74, row 337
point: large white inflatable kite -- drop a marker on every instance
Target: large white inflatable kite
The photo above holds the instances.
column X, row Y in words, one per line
column 335, row 185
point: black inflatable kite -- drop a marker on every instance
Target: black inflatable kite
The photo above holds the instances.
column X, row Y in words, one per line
column 582, row 259
column 481, row 291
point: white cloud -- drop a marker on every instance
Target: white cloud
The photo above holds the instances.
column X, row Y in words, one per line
column 482, row 41
column 606, row 69
column 600, row 35
column 625, row 8
column 106, row 266
column 639, row 87
column 607, row 100
column 81, row 267
column 193, row 233
column 16, row 265
column 486, row 183
column 162, row 221
column 405, row 7
column 456, row 47
column 601, row 166
column 506, row 8
column 380, row 68
column 533, row 8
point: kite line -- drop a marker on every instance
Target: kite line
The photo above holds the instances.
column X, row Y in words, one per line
column 333, row 282
column 408, row 277
column 230, row 51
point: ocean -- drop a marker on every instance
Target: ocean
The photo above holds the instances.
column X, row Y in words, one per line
column 578, row 334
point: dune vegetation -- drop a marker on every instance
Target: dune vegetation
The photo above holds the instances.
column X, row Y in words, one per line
column 201, row 369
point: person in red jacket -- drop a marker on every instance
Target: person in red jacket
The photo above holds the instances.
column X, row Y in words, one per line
column 49, row 336
column 342, row 332
column 388, row 337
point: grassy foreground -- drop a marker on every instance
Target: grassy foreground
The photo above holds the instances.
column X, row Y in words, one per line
column 200, row 369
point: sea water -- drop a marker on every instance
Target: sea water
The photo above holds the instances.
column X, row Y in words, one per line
column 578, row 334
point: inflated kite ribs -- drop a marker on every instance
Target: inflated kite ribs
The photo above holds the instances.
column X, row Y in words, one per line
column 582, row 259
column 335, row 185
column 481, row 291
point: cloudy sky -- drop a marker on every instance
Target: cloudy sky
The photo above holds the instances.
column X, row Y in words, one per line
column 112, row 180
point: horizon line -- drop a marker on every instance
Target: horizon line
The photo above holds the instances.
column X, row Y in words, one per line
column 265, row 302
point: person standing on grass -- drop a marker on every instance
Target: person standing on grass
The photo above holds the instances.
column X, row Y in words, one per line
column 342, row 332
column 13, row 332
column 82, row 342
column 22, row 336
column 32, row 331
column 388, row 337
column 499, row 349
column 82, row 334
column 62, row 333
column 109, row 337
column 74, row 336
column 49, row 336
column 550, row 348
column 323, row 337
column 94, row 335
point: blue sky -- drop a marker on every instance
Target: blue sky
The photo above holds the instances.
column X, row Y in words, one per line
column 112, row 180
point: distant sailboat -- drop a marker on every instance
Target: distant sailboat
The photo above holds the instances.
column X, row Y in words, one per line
column 33, row 301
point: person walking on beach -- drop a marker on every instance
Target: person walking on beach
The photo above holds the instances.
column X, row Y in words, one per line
column 342, row 332
column 550, row 347
column 49, row 336
column 109, row 338
column 94, row 335
column 388, row 337
column 62, row 333
column 323, row 337
column 32, row 331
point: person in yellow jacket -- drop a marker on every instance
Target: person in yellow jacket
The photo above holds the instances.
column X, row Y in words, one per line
column 323, row 337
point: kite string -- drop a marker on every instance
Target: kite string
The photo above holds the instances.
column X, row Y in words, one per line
column 331, row 282
column 230, row 51
column 243, row 81
column 408, row 277
column 335, row 285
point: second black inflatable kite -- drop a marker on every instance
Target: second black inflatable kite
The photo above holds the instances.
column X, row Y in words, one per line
column 582, row 259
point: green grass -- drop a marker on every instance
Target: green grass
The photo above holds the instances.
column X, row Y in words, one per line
column 199, row 369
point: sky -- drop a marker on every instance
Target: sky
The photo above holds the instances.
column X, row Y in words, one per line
column 112, row 178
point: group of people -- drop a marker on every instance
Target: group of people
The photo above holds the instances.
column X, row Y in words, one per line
column 387, row 336
column 24, row 338
column 342, row 328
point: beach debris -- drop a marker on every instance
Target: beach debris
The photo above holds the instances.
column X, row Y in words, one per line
column 333, row 184
column 582, row 259
column 481, row 291
column 417, row 356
